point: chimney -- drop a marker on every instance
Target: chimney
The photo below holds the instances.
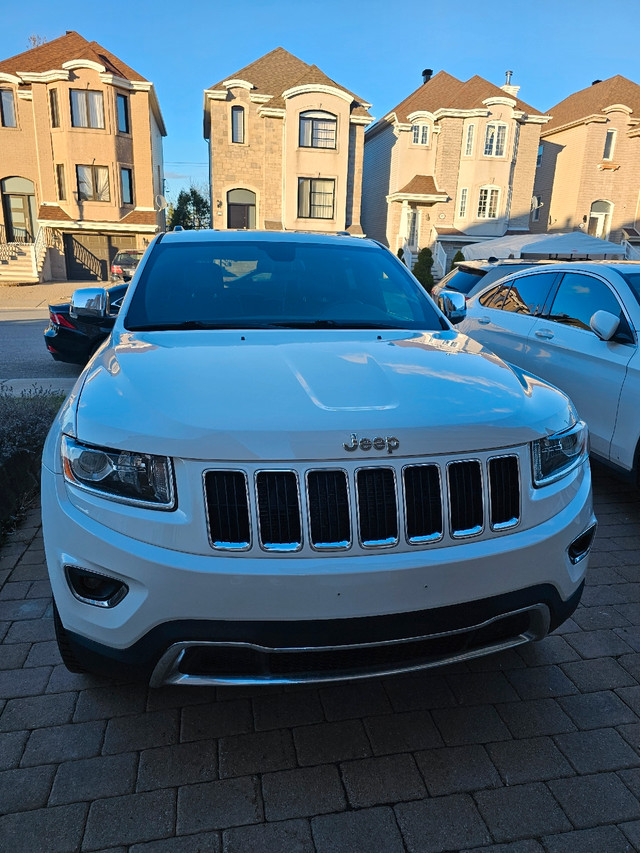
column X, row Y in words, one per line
column 508, row 88
column 426, row 75
column 596, row 81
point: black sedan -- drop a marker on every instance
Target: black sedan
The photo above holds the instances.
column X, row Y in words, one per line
column 75, row 339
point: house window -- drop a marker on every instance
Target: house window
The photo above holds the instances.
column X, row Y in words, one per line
column 537, row 204
column 462, row 204
column 87, row 108
column 488, row 203
column 53, row 107
column 126, row 185
column 494, row 140
column 468, row 148
column 122, row 104
column 316, row 198
column 60, row 181
column 540, row 153
column 7, row 108
column 609, row 144
column 93, row 183
column 420, row 134
column 318, row 130
column 237, row 124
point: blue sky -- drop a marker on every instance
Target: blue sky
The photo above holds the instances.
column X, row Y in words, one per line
column 376, row 49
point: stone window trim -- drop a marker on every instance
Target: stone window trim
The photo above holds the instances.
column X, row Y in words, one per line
column 495, row 139
column 488, row 202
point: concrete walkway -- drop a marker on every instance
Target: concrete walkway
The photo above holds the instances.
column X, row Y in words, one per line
column 535, row 750
column 24, row 296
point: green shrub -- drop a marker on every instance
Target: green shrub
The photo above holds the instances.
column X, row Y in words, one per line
column 24, row 424
column 400, row 254
column 422, row 269
column 458, row 257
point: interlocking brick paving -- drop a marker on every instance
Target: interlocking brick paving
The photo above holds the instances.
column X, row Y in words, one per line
column 535, row 750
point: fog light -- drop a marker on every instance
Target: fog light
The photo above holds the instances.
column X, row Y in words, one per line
column 94, row 588
column 581, row 546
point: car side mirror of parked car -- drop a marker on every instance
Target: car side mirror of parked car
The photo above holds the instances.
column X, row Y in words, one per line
column 453, row 305
column 89, row 302
column 604, row 324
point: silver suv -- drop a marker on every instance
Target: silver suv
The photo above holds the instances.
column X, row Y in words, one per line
column 470, row 276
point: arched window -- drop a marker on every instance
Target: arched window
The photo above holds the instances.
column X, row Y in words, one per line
column 495, row 140
column 237, row 124
column 317, row 129
column 19, row 206
column 600, row 219
column 241, row 209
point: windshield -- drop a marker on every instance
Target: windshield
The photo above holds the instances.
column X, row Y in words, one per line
column 461, row 279
column 132, row 258
column 284, row 284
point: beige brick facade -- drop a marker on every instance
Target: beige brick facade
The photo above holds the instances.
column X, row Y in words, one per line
column 584, row 182
column 259, row 173
column 448, row 179
column 66, row 95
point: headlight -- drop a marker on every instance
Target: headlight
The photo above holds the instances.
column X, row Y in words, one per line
column 134, row 478
column 556, row 455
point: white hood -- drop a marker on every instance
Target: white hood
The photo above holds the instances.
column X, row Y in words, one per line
column 290, row 395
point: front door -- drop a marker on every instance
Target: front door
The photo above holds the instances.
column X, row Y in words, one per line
column 238, row 215
column 20, row 227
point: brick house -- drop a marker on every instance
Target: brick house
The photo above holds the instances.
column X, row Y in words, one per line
column 80, row 161
column 453, row 163
column 286, row 146
column 588, row 173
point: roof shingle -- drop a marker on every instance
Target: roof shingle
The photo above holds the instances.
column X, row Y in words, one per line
column 51, row 55
column 594, row 99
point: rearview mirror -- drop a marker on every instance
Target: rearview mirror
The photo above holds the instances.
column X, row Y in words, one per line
column 453, row 305
column 604, row 324
column 89, row 302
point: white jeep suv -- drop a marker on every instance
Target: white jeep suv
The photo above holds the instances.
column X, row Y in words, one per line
column 284, row 465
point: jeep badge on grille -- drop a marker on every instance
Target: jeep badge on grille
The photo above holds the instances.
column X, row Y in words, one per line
column 388, row 443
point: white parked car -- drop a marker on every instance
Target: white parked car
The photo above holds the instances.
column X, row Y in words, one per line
column 576, row 325
column 285, row 465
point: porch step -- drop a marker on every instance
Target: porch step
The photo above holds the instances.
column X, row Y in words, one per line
column 16, row 264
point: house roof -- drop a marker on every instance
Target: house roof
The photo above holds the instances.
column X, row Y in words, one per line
column 51, row 55
column 444, row 91
column 279, row 70
column 594, row 99
column 52, row 212
column 420, row 185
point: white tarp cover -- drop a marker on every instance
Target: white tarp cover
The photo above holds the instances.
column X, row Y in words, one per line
column 572, row 244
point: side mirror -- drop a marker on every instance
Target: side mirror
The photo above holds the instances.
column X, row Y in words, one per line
column 604, row 324
column 89, row 302
column 453, row 305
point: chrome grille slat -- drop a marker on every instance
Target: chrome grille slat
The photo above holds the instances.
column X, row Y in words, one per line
column 377, row 507
column 466, row 508
column 430, row 501
column 504, row 492
column 279, row 510
column 328, row 502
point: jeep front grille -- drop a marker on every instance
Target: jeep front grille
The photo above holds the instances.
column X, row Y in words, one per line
column 369, row 505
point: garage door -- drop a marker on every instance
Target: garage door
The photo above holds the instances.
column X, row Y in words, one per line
column 89, row 256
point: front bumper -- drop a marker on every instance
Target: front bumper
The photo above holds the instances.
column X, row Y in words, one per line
column 221, row 619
